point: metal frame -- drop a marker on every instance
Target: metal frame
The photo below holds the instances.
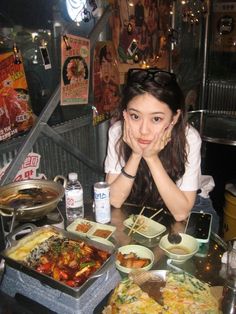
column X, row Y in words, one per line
column 41, row 126
column 200, row 116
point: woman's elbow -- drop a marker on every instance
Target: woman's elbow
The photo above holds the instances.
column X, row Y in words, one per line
column 116, row 203
column 181, row 216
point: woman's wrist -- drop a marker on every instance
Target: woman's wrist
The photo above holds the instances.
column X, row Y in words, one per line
column 152, row 159
column 127, row 175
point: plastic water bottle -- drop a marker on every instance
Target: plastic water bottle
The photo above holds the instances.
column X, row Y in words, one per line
column 74, row 198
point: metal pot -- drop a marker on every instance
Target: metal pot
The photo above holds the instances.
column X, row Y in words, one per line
column 31, row 199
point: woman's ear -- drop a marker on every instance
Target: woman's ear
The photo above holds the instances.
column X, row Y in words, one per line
column 176, row 117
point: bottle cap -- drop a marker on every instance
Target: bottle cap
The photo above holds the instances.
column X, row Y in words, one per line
column 73, row 176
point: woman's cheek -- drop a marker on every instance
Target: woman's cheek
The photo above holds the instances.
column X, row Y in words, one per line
column 133, row 127
column 156, row 131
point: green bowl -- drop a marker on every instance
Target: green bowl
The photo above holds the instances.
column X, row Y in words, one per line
column 140, row 251
column 181, row 252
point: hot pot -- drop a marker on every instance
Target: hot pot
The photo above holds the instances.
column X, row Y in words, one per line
column 31, row 199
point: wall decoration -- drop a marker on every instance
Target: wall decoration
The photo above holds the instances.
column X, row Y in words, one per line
column 28, row 170
column 223, row 26
column 145, row 22
column 75, row 9
column 75, row 70
column 16, row 115
column 45, row 57
column 105, row 80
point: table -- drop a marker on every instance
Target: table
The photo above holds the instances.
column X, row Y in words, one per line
column 208, row 268
column 205, row 268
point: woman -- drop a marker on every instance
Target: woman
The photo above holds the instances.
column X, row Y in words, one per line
column 153, row 154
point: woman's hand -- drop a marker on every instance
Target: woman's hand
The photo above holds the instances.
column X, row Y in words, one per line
column 129, row 138
column 158, row 143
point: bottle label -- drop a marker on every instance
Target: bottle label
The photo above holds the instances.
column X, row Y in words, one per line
column 74, row 198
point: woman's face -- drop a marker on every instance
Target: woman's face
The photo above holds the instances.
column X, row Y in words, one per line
column 149, row 116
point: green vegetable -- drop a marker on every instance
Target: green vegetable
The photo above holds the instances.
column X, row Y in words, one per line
column 82, row 265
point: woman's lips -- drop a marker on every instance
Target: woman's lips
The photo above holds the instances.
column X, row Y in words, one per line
column 141, row 141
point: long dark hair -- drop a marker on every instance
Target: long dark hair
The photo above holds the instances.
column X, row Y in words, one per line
column 173, row 157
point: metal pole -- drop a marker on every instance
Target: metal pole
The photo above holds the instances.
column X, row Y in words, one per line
column 172, row 44
column 205, row 57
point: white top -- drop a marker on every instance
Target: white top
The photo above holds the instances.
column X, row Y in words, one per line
column 192, row 179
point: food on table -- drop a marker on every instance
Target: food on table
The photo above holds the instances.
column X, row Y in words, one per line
column 180, row 250
column 28, row 197
column 22, row 250
column 182, row 293
column 83, row 227
column 186, row 294
column 128, row 298
column 71, row 262
column 102, row 233
column 140, row 223
column 131, row 260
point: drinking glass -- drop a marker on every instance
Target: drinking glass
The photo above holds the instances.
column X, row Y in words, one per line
column 228, row 305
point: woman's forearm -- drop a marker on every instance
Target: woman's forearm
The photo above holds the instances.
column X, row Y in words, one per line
column 121, row 185
column 178, row 202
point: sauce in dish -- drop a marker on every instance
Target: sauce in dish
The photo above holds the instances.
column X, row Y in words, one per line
column 181, row 250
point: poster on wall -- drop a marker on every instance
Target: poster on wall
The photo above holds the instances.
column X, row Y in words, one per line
column 224, row 30
column 28, row 170
column 16, row 115
column 140, row 30
column 75, row 61
column 105, row 81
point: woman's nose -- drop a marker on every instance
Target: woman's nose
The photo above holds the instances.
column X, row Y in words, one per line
column 144, row 128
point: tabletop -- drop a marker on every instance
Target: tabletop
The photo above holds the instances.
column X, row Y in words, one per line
column 206, row 265
column 207, row 268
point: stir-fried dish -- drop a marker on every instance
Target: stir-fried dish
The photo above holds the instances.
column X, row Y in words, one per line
column 65, row 260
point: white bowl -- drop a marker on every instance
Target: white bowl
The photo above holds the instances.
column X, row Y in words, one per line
column 181, row 252
column 140, row 251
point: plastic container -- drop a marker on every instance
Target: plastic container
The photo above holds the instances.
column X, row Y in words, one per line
column 74, row 198
column 229, row 216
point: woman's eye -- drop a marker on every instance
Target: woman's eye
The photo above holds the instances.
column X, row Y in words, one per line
column 156, row 119
column 134, row 116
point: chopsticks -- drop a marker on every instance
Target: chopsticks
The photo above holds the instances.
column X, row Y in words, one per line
column 158, row 212
column 132, row 230
column 136, row 220
column 139, row 205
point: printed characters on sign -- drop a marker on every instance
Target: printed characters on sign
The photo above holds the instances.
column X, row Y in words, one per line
column 102, row 202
